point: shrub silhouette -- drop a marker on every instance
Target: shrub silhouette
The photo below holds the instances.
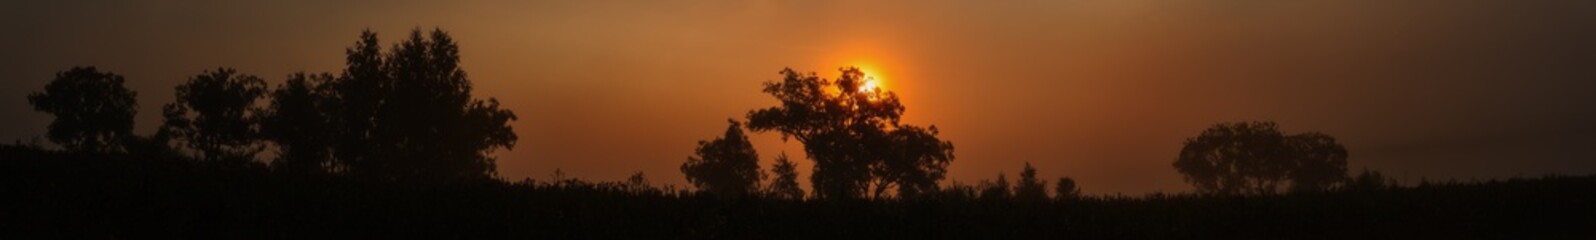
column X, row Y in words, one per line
column 725, row 166
column 1255, row 158
column 215, row 115
column 93, row 111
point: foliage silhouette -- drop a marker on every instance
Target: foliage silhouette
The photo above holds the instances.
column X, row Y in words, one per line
column 93, row 111
column 853, row 135
column 784, row 182
column 409, row 114
column 215, row 115
column 725, row 166
column 1029, row 188
column 996, row 190
column 1065, row 189
column 300, row 120
column 1255, row 158
column 1370, row 180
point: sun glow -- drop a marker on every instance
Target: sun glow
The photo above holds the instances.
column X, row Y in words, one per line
column 870, row 85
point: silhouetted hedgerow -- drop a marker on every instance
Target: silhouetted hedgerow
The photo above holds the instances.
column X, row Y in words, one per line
column 94, row 195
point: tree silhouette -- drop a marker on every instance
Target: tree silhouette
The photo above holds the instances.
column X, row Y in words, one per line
column 1255, row 158
column 300, row 121
column 93, row 111
column 409, row 113
column 998, row 190
column 853, row 135
column 215, row 114
column 914, row 161
column 1370, row 180
column 784, row 184
column 1065, row 189
column 1029, row 187
column 725, row 166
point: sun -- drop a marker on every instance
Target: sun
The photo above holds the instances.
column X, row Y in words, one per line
column 870, row 84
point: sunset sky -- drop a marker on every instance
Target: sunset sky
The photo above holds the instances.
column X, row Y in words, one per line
column 1103, row 91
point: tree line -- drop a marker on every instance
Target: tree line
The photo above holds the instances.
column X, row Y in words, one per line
column 407, row 113
column 404, row 113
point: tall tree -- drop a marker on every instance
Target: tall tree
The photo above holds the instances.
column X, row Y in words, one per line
column 300, row 122
column 409, row 113
column 93, row 111
column 725, row 166
column 853, row 135
column 784, row 185
column 1256, row 158
column 215, row 114
column 1029, row 187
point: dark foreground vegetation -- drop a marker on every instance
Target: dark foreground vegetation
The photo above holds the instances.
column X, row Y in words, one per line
column 70, row 195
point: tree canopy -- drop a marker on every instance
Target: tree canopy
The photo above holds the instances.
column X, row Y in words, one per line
column 726, row 165
column 408, row 113
column 853, row 135
column 93, row 110
column 1256, row 158
column 215, row 114
column 300, row 120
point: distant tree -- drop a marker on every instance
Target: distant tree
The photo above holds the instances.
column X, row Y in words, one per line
column 1320, row 164
column 93, row 111
column 853, row 135
column 726, row 166
column 1065, row 189
column 215, row 115
column 1255, row 158
column 996, row 190
column 300, row 122
column 638, row 184
column 784, row 184
column 1370, row 180
column 1029, row 187
column 409, row 113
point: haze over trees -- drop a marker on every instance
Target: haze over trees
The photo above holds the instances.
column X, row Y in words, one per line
column 1256, row 158
column 396, row 146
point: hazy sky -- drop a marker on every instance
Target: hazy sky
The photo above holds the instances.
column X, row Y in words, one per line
column 1103, row 91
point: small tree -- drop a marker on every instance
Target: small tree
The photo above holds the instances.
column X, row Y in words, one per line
column 1029, row 187
column 1065, row 188
column 785, row 183
column 93, row 111
column 215, row 114
column 725, row 166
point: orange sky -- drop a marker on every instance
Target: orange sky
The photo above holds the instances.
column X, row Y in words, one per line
column 1102, row 91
